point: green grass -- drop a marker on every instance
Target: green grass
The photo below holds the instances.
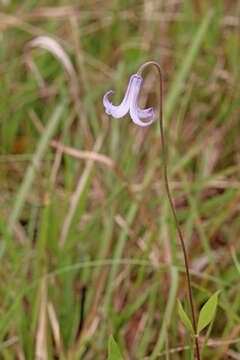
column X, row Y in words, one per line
column 68, row 223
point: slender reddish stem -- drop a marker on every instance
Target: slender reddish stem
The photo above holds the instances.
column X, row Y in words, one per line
column 197, row 348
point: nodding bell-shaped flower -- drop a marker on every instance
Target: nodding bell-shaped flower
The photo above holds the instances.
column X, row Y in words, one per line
column 129, row 103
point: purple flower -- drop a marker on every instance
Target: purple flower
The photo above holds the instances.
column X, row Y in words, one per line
column 129, row 103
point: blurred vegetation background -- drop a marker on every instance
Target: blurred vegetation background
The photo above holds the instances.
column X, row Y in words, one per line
column 88, row 244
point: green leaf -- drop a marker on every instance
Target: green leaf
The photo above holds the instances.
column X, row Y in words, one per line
column 207, row 312
column 184, row 317
column 113, row 350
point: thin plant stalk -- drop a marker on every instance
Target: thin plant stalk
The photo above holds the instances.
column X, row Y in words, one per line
column 165, row 170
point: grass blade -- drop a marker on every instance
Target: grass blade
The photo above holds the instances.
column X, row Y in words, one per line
column 181, row 77
column 34, row 166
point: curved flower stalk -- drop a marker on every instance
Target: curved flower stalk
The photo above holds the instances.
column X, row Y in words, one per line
column 129, row 103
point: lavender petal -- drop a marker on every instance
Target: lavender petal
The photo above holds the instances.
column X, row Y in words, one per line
column 136, row 113
column 145, row 113
column 122, row 109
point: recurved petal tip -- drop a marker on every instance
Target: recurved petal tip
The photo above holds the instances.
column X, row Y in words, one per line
column 142, row 114
column 145, row 113
column 107, row 104
column 116, row 111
